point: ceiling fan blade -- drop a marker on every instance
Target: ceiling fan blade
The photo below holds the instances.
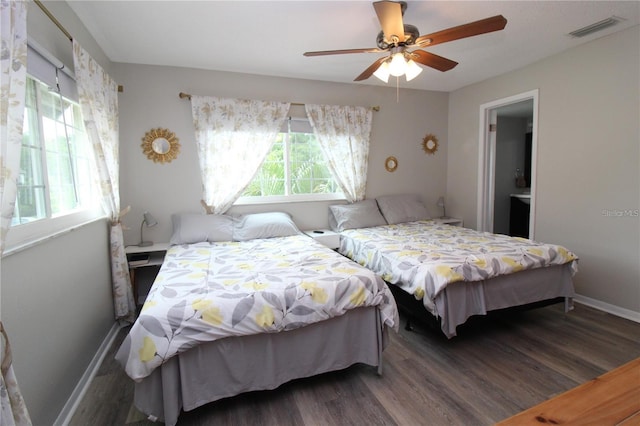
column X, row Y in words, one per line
column 495, row 23
column 372, row 68
column 341, row 52
column 390, row 17
column 432, row 60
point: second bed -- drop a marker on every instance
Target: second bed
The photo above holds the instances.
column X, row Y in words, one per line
column 454, row 272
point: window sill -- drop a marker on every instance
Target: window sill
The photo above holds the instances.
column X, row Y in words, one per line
column 17, row 247
column 283, row 199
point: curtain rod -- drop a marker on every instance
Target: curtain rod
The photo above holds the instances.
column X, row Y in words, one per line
column 61, row 28
column 53, row 19
column 183, row 95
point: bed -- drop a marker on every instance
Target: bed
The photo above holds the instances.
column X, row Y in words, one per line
column 453, row 272
column 227, row 317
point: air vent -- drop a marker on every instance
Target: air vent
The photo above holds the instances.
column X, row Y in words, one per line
column 600, row 25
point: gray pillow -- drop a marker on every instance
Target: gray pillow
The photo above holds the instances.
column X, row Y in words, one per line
column 402, row 208
column 189, row 228
column 361, row 214
column 264, row 225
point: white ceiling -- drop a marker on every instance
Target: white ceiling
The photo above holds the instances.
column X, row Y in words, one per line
column 269, row 37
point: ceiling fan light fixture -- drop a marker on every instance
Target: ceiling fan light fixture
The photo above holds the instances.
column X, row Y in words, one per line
column 398, row 65
column 413, row 70
column 400, row 40
column 383, row 72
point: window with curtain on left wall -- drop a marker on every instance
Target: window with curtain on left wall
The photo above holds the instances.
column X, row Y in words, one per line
column 55, row 187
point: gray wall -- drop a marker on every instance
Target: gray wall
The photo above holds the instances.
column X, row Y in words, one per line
column 57, row 308
column 56, row 299
column 588, row 158
column 151, row 100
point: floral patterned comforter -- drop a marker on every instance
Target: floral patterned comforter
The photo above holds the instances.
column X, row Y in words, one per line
column 208, row 291
column 423, row 257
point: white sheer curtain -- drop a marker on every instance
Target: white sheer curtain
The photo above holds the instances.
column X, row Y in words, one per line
column 343, row 133
column 233, row 137
column 13, row 76
column 98, row 95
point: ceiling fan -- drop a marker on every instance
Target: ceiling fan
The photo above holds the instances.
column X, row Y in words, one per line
column 404, row 43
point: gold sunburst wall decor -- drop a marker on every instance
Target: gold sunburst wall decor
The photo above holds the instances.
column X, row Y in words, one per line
column 160, row 145
column 391, row 164
column 430, row 144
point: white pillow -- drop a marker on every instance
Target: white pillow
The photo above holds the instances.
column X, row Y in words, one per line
column 264, row 225
column 361, row 214
column 402, row 208
column 189, row 228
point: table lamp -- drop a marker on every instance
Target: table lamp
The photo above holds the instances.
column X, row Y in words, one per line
column 149, row 220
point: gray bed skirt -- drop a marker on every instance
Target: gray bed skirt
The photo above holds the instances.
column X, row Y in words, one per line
column 461, row 300
column 235, row 365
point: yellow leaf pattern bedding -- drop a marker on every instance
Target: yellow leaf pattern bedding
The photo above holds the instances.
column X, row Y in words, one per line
column 423, row 257
column 208, row 291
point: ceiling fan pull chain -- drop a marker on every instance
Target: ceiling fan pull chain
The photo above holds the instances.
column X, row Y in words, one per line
column 397, row 90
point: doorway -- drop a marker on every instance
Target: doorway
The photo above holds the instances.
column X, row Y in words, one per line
column 507, row 165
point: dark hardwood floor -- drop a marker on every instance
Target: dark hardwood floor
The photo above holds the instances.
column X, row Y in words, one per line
column 496, row 367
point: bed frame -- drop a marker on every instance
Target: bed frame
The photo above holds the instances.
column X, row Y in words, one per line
column 234, row 365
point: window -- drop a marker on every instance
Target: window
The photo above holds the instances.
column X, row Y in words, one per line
column 56, row 189
column 295, row 168
column 55, row 176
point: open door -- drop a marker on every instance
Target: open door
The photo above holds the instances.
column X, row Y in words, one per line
column 487, row 159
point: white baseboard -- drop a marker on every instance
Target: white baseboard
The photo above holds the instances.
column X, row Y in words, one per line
column 64, row 418
column 612, row 309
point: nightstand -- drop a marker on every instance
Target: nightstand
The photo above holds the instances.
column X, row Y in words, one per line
column 144, row 257
column 325, row 236
column 448, row 221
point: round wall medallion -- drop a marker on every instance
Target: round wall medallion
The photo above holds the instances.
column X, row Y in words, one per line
column 160, row 145
column 391, row 164
column 430, row 144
